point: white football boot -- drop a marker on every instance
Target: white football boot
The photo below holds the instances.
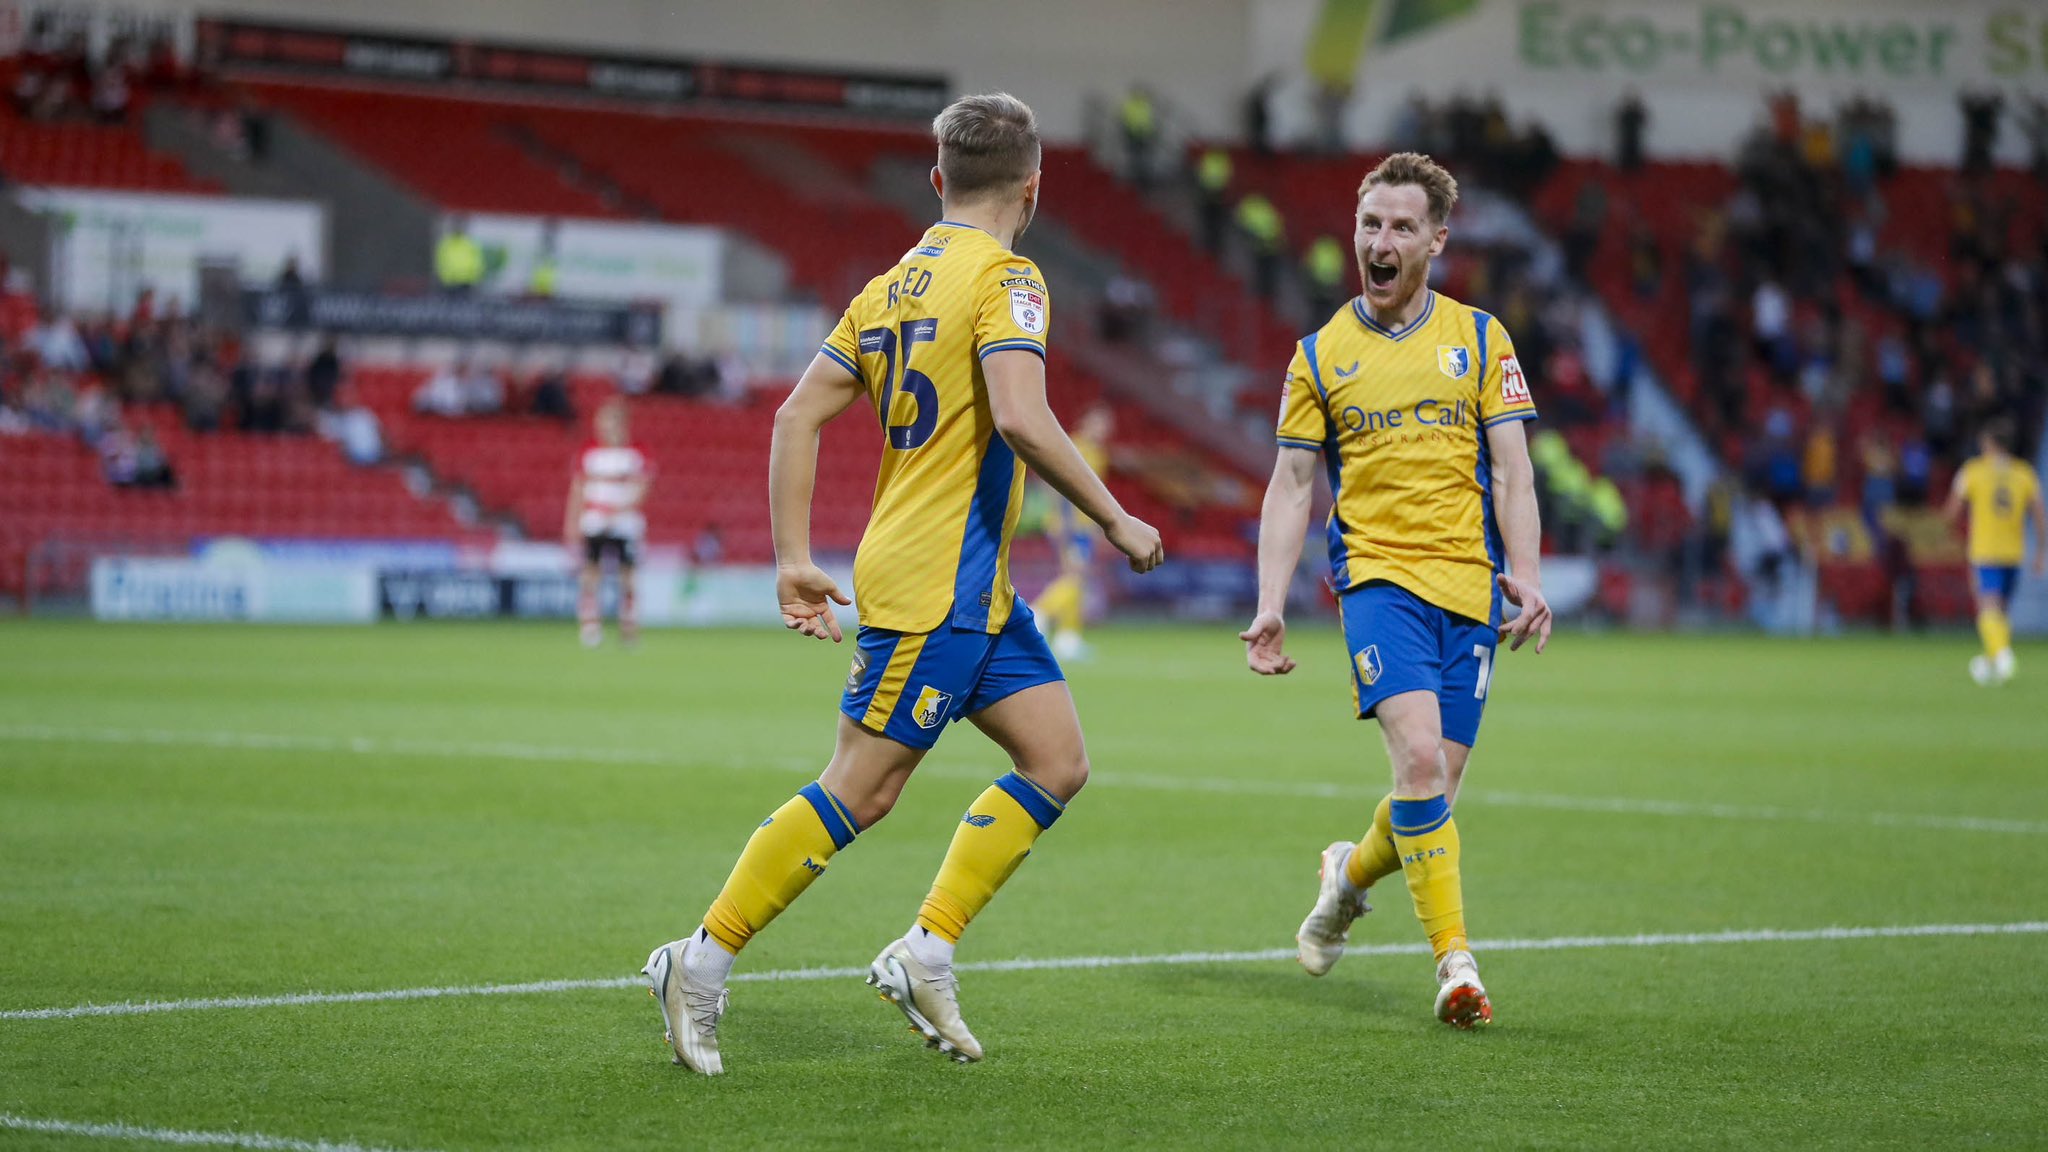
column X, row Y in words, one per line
column 690, row 1008
column 1461, row 999
column 2002, row 665
column 1320, row 942
column 929, row 998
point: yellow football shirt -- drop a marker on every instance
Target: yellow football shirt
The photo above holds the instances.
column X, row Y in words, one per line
column 1400, row 418
column 1999, row 496
column 937, row 548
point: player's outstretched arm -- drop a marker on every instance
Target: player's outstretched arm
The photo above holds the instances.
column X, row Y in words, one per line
column 805, row 593
column 1283, row 522
column 1016, row 396
column 2040, row 534
column 572, row 512
column 1514, row 505
column 1953, row 506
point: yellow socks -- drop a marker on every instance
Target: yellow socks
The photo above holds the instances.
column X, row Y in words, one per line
column 1427, row 840
column 1375, row 859
column 993, row 838
column 784, row 855
column 1062, row 603
column 1995, row 630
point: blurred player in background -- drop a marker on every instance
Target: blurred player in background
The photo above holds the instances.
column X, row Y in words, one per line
column 949, row 348
column 1064, row 603
column 2002, row 493
column 1415, row 403
column 606, row 493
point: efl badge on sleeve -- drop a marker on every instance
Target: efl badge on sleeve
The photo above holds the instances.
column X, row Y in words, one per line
column 1027, row 308
column 1454, row 361
column 1514, row 387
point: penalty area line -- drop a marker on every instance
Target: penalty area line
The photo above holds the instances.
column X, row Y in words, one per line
column 1047, row 964
column 140, row 1135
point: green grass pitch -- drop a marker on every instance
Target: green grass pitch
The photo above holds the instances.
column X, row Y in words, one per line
column 193, row 812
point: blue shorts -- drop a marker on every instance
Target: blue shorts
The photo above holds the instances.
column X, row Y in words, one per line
column 908, row 685
column 1999, row 580
column 1400, row 642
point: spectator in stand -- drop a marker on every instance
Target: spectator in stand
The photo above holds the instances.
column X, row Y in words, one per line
column 152, row 467
column 1645, row 260
column 2035, row 125
column 442, row 394
column 1139, row 118
column 1880, row 480
column 1127, row 307
column 206, row 394
column 1328, row 270
column 1258, row 116
column 323, row 373
column 1818, row 465
column 1631, row 117
column 546, row 272
column 57, row 342
column 110, row 93
column 1781, row 464
column 356, row 430
column 551, row 396
column 1916, row 469
column 1770, row 321
column 483, row 391
column 1212, row 191
column 1981, row 113
column 458, row 259
column 1267, row 235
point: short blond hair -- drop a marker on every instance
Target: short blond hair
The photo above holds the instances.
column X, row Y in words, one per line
column 987, row 143
column 1424, row 173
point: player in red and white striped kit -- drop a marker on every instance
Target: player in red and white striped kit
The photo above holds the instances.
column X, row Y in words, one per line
column 604, row 517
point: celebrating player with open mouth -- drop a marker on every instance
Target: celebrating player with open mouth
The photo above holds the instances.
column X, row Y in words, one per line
column 949, row 347
column 1415, row 403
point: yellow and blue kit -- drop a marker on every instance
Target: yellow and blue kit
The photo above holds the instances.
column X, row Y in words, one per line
column 942, row 631
column 1998, row 494
column 1400, row 419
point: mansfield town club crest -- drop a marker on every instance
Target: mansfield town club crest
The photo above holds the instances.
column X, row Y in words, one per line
column 1368, row 661
column 860, row 670
column 931, row 707
column 1454, row 361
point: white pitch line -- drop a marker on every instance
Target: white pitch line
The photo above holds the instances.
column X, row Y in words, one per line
column 1050, row 964
column 141, row 1135
column 1198, row 785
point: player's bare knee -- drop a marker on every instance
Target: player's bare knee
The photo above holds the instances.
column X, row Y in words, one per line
column 1064, row 776
column 1418, row 767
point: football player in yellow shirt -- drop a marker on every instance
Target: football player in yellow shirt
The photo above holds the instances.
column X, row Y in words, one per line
column 1414, row 404
column 948, row 347
column 2002, row 493
column 1064, row 601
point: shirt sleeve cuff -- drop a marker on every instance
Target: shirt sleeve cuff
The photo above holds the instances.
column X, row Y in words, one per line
column 1294, row 442
column 840, row 359
column 1509, row 417
column 1011, row 345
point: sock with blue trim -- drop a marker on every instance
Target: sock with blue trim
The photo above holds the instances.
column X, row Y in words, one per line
column 993, row 838
column 787, row 852
column 1426, row 838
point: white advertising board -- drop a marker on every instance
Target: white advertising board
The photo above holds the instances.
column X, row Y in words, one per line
column 111, row 245
column 680, row 266
column 181, row 588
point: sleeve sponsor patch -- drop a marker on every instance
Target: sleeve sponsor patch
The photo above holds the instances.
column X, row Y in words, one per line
column 1027, row 308
column 1514, row 387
